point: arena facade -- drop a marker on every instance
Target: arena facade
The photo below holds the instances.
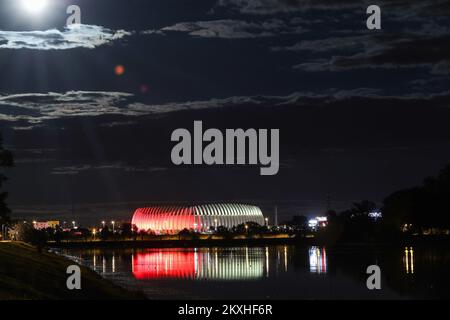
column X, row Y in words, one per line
column 201, row 218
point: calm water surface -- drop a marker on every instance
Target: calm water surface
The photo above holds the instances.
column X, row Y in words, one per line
column 273, row 272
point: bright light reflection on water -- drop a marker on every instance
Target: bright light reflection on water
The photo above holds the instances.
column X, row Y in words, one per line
column 317, row 260
column 292, row 272
column 201, row 264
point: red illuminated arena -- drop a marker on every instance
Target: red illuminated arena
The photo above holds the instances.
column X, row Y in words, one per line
column 172, row 219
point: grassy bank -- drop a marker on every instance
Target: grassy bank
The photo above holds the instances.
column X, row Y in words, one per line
column 27, row 274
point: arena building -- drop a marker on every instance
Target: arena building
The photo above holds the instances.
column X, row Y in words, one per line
column 172, row 219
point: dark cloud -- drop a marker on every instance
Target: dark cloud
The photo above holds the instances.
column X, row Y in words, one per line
column 409, row 51
column 37, row 108
column 77, row 169
column 265, row 7
column 402, row 8
column 233, row 29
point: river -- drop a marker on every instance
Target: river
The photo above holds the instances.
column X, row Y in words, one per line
column 274, row 272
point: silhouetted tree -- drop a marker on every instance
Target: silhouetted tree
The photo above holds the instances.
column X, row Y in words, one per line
column 134, row 231
column 353, row 224
column 249, row 227
column 105, row 233
column 426, row 206
column 300, row 222
column 142, row 234
column 360, row 209
column 186, row 234
column 58, row 235
column 6, row 160
column 126, row 229
column 25, row 232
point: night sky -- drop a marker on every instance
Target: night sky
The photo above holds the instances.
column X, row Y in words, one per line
column 361, row 113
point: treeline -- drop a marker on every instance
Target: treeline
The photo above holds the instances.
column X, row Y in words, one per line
column 423, row 208
column 6, row 161
column 418, row 211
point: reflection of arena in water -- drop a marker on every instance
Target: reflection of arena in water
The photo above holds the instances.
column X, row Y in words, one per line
column 202, row 264
column 217, row 263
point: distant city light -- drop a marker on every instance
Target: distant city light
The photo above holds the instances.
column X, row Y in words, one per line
column 313, row 223
column 41, row 225
column 318, row 222
column 375, row 215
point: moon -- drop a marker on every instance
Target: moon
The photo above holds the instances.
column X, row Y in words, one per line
column 34, row 6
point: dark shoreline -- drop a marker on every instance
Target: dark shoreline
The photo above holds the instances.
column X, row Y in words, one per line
column 30, row 273
column 191, row 243
column 174, row 243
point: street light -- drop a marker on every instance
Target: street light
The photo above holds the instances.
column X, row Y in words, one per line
column 267, row 222
column 94, row 232
column 246, row 229
column 74, row 224
column 113, row 223
column 103, row 224
column 215, row 223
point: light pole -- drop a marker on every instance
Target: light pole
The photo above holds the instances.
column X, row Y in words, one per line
column 215, row 224
column 103, row 224
column 267, row 222
column 74, row 224
column 94, row 232
column 113, row 223
column 246, row 229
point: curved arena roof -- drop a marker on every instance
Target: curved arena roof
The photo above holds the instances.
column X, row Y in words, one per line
column 172, row 219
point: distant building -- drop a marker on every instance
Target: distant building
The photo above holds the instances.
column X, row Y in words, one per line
column 322, row 221
column 318, row 222
column 41, row 225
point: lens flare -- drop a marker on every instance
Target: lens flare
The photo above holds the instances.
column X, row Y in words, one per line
column 119, row 70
